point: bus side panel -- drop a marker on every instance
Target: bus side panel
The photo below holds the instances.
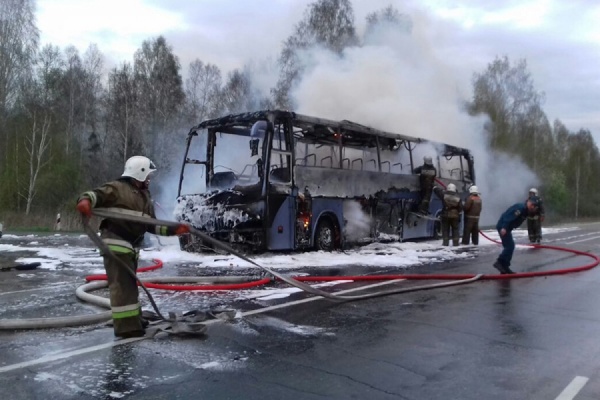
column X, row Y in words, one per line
column 328, row 182
column 415, row 227
column 285, row 218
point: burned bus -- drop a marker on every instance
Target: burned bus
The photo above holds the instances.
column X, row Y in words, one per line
column 278, row 180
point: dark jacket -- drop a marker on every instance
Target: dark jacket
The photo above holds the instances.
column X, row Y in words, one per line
column 473, row 206
column 451, row 203
column 513, row 217
column 427, row 174
column 122, row 194
column 540, row 204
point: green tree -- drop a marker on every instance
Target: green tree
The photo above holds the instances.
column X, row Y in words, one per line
column 506, row 94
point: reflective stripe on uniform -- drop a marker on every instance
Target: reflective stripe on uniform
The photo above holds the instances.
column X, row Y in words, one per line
column 127, row 212
column 130, row 310
column 92, row 196
column 119, row 245
column 161, row 230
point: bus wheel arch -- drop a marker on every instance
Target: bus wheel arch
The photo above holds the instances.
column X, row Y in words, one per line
column 327, row 235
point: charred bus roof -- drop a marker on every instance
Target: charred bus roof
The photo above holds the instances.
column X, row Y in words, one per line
column 319, row 129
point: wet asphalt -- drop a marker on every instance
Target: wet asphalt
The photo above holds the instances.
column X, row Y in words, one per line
column 515, row 339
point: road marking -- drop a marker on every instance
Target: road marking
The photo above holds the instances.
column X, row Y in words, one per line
column 573, row 388
column 309, row 299
column 583, row 240
column 61, row 356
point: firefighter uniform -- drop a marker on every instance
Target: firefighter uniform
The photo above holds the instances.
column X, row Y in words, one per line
column 124, row 239
column 427, row 174
column 472, row 210
column 450, row 217
column 534, row 222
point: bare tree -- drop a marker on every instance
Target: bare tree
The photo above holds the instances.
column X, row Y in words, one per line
column 202, row 91
column 160, row 93
column 37, row 144
column 18, row 44
column 73, row 88
column 237, row 95
column 91, row 135
column 388, row 16
column 122, row 114
column 38, row 102
column 327, row 23
column 582, row 153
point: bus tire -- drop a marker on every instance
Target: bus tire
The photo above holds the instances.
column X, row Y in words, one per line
column 326, row 235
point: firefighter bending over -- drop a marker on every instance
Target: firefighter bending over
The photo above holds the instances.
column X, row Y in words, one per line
column 450, row 217
column 129, row 193
column 427, row 174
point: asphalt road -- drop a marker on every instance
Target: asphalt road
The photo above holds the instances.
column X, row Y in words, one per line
column 533, row 338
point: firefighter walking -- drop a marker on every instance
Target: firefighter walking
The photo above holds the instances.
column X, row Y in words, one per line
column 128, row 194
column 450, row 217
column 472, row 210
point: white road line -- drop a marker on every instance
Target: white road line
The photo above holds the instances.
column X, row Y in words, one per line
column 309, row 299
column 583, row 240
column 573, row 388
column 61, row 356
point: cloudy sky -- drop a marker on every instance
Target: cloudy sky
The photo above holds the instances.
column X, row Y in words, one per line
column 559, row 39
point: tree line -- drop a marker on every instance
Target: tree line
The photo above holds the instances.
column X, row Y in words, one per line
column 66, row 125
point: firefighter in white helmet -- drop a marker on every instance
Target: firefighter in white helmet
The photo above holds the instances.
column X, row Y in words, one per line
column 124, row 239
column 451, row 208
column 534, row 221
column 472, row 210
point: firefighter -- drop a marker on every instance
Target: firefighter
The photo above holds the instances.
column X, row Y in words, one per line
column 124, row 239
column 472, row 209
column 427, row 174
column 534, row 222
column 511, row 219
column 451, row 208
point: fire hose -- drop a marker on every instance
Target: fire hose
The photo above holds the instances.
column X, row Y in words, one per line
column 297, row 282
column 180, row 323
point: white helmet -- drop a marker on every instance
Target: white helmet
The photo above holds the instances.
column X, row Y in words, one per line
column 428, row 160
column 473, row 190
column 451, row 187
column 138, row 168
column 534, row 191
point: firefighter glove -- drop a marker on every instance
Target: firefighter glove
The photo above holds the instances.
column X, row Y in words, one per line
column 85, row 207
column 182, row 229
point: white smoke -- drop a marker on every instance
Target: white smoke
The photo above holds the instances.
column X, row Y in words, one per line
column 358, row 223
column 401, row 83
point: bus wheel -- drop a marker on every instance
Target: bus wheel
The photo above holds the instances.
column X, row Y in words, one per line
column 325, row 235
